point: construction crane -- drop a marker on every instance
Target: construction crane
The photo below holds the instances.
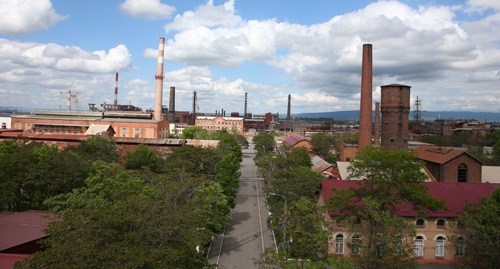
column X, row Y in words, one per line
column 74, row 97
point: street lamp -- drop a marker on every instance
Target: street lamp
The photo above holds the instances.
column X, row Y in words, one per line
column 284, row 212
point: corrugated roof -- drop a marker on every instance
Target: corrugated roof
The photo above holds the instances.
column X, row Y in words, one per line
column 292, row 139
column 318, row 164
column 22, row 227
column 455, row 194
column 342, row 167
column 490, row 174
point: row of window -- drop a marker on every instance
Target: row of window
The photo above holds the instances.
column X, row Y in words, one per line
column 418, row 246
column 440, row 223
column 420, row 223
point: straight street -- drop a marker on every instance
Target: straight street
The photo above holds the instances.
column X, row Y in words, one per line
column 247, row 236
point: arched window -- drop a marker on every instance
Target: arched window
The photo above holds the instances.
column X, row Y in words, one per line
column 440, row 223
column 339, row 244
column 420, row 223
column 357, row 221
column 440, row 246
column 419, row 246
column 355, row 244
column 460, row 247
column 462, row 173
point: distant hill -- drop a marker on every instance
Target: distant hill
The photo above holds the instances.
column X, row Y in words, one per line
column 425, row 115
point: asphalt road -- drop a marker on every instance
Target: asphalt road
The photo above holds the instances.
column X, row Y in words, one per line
column 247, row 236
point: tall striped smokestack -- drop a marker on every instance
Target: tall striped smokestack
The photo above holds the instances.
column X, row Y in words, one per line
column 159, row 81
column 365, row 110
column 245, row 112
column 288, row 114
column 171, row 107
column 116, row 90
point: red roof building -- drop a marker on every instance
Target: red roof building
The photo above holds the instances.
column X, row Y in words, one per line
column 297, row 141
column 433, row 237
column 20, row 233
column 449, row 165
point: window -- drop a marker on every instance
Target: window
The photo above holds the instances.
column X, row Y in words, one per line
column 355, row 244
column 339, row 244
column 460, row 247
column 440, row 246
column 419, row 246
column 420, row 223
column 462, row 173
column 440, row 223
column 357, row 221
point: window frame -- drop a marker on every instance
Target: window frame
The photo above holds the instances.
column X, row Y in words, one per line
column 460, row 247
column 440, row 241
column 339, row 244
column 418, row 246
column 420, row 225
column 462, row 172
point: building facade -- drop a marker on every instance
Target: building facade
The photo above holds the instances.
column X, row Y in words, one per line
column 218, row 123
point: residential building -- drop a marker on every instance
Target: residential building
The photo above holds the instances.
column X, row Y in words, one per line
column 432, row 242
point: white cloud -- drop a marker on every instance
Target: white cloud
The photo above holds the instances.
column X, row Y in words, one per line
column 26, row 67
column 147, row 9
column 25, row 16
column 206, row 15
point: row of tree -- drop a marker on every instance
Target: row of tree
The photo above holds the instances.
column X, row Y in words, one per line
column 391, row 178
column 141, row 210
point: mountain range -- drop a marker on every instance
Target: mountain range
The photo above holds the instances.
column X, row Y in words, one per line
column 424, row 115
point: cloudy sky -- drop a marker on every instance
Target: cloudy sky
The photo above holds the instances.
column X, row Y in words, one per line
column 447, row 51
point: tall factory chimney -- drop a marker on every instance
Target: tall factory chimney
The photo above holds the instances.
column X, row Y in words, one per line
column 365, row 110
column 245, row 112
column 171, row 107
column 159, row 81
column 288, row 114
column 116, row 91
column 376, row 130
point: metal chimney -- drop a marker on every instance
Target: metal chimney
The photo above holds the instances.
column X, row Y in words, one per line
column 376, row 130
column 159, row 81
column 171, row 108
column 288, row 114
column 245, row 112
column 116, row 91
column 365, row 110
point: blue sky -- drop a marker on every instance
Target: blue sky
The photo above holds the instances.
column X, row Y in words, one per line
column 447, row 51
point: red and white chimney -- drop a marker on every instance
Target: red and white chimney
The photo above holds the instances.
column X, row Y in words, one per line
column 159, row 81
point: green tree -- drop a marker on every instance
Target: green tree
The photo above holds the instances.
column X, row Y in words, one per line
column 390, row 178
column 227, row 145
column 227, row 175
column 305, row 229
column 15, row 159
column 192, row 160
column 194, row 132
column 118, row 221
column 322, row 145
column 264, row 142
column 480, row 227
column 96, row 148
column 142, row 157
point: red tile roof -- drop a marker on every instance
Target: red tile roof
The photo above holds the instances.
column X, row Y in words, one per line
column 435, row 154
column 456, row 195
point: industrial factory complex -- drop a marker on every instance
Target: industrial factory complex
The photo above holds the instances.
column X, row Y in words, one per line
column 130, row 124
column 452, row 174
